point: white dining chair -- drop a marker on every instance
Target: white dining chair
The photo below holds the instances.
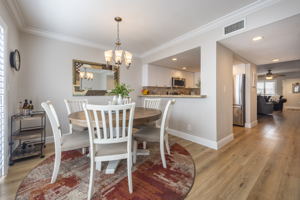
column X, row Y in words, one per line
column 74, row 106
column 63, row 142
column 110, row 139
column 154, row 104
column 154, row 134
column 127, row 100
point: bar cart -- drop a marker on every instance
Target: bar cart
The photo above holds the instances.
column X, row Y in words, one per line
column 27, row 141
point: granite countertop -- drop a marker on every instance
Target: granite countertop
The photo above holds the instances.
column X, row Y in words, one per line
column 174, row 96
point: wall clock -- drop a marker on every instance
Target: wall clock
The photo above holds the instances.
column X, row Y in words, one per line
column 15, row 60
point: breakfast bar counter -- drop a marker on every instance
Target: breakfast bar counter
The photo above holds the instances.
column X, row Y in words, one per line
column 173, row 96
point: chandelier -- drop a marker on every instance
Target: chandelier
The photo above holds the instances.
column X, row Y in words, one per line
column 86, row 75
column 117, row 56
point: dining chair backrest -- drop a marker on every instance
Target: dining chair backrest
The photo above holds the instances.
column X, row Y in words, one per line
column 75, row 105
column 52, row 116
column 109, row 123
column 152, row 103
column 127, row 100
column 166, row 116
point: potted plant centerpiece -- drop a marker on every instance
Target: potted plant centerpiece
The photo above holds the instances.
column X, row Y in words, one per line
column 122, row 91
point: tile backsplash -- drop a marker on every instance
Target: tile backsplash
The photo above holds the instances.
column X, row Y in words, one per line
column 154, row 90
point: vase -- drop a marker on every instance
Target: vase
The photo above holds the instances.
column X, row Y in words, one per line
column 114, row 101
column 120, row 100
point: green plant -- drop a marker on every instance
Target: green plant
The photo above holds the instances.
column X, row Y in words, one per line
column 121, row 89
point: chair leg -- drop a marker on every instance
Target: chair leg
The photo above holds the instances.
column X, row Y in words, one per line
column 98, row 166
column 91, row 182
column 162, row 154
column 144, row 145
column 134, row 151
column 83, row 150
column 56, row 166
column 129, row 173
column 167, row 145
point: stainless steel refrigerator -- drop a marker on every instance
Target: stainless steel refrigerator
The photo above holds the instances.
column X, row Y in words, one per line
column 239, row 99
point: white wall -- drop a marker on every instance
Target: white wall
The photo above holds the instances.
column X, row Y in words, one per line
column 279, row 81
column 47, row 72
column 206, row 38
column 224, row 91
column 239, row 68
column 293, row 99
column 162, row 76
column 12, row 44
column 12, row 77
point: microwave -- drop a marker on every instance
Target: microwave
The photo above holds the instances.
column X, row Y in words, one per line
column 178, row 82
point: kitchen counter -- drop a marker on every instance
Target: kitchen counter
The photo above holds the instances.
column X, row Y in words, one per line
column 173, row 96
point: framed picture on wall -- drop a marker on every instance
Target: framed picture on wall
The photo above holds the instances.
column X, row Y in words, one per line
column 296, row 87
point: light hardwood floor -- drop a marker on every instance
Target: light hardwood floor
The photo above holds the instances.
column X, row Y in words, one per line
column 261, row 163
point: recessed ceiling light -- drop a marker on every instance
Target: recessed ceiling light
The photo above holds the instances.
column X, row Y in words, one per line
column 174, row 59
column 184, row 68
column 257, row 38
column 275, row 60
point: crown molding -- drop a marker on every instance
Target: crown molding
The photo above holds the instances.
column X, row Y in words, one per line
column 65, row 38
column 222, row 21
column 242, row 13
column 16, row 12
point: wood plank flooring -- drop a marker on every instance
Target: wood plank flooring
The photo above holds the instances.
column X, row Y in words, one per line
column 261, row 163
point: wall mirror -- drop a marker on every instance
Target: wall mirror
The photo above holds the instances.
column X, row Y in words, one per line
column 296, row 88
column 93, row 79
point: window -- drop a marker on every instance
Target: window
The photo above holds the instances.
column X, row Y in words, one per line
column 267, row 88
column 2, row 102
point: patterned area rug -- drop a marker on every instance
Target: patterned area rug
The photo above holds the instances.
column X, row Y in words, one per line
column 150, row 179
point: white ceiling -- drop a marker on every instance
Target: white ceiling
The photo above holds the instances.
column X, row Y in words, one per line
column 147, row 23
column 281, row 40
column 189, row 59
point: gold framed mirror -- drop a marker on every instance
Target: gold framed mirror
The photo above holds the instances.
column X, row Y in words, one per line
column 93, row 79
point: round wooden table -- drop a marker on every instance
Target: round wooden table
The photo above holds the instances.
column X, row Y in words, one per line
column 141, row 116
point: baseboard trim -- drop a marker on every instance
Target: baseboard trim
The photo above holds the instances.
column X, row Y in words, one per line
column 196, row 139
column 251, row 124
column 225, row 141
column 292, row 107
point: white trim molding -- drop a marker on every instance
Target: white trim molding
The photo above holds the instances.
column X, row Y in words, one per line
column 225, row 141
column 240, row 13
column 292, row 107
column 64, row 38
column 200, row 140
column 251, row 124
column 196, row 139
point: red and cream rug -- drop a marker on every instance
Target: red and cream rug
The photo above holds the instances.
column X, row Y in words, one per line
column 150, row 179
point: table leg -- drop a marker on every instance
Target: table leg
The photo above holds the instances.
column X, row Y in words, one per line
column 112, row 167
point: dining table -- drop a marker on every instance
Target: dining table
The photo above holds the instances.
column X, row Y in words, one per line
column 141, row 116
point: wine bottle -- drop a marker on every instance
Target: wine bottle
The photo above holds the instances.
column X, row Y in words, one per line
column 25, row 105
